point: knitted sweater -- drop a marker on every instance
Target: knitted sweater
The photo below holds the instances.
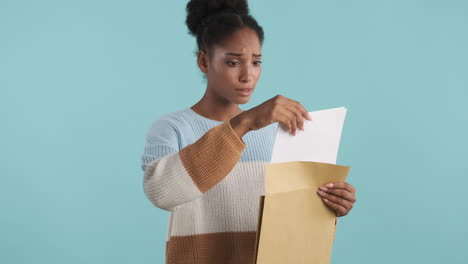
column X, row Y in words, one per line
column 210, row 180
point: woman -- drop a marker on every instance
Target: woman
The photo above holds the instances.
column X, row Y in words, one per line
column 205, row 164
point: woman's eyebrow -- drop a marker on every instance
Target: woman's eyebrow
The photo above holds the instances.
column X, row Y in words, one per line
column 240, row 54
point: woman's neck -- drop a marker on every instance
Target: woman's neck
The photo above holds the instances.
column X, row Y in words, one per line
column 216, row 110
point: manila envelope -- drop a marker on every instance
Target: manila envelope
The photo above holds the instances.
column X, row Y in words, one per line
column 294, row 225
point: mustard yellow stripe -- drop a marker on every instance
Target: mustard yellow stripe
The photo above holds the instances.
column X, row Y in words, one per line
column 212, row 157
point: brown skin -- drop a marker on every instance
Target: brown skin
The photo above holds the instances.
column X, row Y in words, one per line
column 225, row 73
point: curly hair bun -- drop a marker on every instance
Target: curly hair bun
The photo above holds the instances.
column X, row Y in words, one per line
column 197, row 10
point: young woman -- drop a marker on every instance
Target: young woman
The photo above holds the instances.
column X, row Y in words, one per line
column 205, row 164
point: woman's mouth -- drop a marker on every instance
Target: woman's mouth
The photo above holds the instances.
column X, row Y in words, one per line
column 245, row 92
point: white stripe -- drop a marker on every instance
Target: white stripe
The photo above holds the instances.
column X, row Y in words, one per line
column 231, row 205
column 167, row 184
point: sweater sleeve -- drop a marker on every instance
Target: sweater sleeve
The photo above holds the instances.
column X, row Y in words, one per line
column 173, row 177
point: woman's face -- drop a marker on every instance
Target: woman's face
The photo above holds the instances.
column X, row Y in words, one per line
column 233, row 68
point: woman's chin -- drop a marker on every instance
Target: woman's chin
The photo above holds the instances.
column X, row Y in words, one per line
column 243, row 100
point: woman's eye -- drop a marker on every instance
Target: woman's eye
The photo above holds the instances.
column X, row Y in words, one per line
column 233, row 63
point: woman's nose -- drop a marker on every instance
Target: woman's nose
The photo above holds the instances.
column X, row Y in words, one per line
column 246, row 73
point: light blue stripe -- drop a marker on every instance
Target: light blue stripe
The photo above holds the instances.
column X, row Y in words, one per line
column 176, row 130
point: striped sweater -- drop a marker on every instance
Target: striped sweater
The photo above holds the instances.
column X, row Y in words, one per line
column 210, row 181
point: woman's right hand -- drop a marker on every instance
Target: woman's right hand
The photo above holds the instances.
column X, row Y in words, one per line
column 289, row 113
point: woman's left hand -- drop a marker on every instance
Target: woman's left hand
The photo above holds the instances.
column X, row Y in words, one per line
column 339, row 196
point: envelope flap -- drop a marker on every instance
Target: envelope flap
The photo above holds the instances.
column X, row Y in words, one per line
column 295, row 175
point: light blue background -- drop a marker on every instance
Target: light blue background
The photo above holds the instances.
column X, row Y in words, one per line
column 81, row 82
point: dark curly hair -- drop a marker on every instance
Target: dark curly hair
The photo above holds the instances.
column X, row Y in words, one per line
column 211, row 21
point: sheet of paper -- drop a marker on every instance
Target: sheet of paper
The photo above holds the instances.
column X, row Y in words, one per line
column 318, row 142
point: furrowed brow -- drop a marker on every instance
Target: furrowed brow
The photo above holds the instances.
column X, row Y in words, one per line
column 240, row 54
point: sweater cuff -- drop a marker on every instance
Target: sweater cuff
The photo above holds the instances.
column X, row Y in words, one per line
column 213, row 156
column 232, row 137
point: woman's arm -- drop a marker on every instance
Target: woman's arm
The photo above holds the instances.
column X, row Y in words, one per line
column 174, row 177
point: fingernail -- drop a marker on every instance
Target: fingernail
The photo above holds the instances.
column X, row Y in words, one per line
column 325, row 200
column 330, row 185
column 323, row 188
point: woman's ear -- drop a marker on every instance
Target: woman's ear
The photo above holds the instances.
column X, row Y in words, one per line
column 202, row 60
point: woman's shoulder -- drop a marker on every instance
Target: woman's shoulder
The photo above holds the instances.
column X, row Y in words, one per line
column 183, row 125
column 169, row 121
column 174, row 118
column 182, row 121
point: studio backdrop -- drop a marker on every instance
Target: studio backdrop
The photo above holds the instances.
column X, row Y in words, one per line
column 82, row 81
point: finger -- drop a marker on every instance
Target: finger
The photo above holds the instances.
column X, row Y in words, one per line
column 283, row 120
column 306, row 115
column 336, row 199
column 294, row 108
column 293, row 124
column 289, row 111
column 299, row 119
column 300, row 108
column 302, row 113
column 339, row 210
column 295, row 114
column 343, row 193
column 341, row 185
column 291, row 118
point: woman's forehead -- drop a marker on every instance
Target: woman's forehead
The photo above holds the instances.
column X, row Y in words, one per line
column 238, row 50
column 244, row 52
column 243, row 42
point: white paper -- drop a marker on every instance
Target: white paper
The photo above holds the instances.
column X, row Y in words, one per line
column 318, row 142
